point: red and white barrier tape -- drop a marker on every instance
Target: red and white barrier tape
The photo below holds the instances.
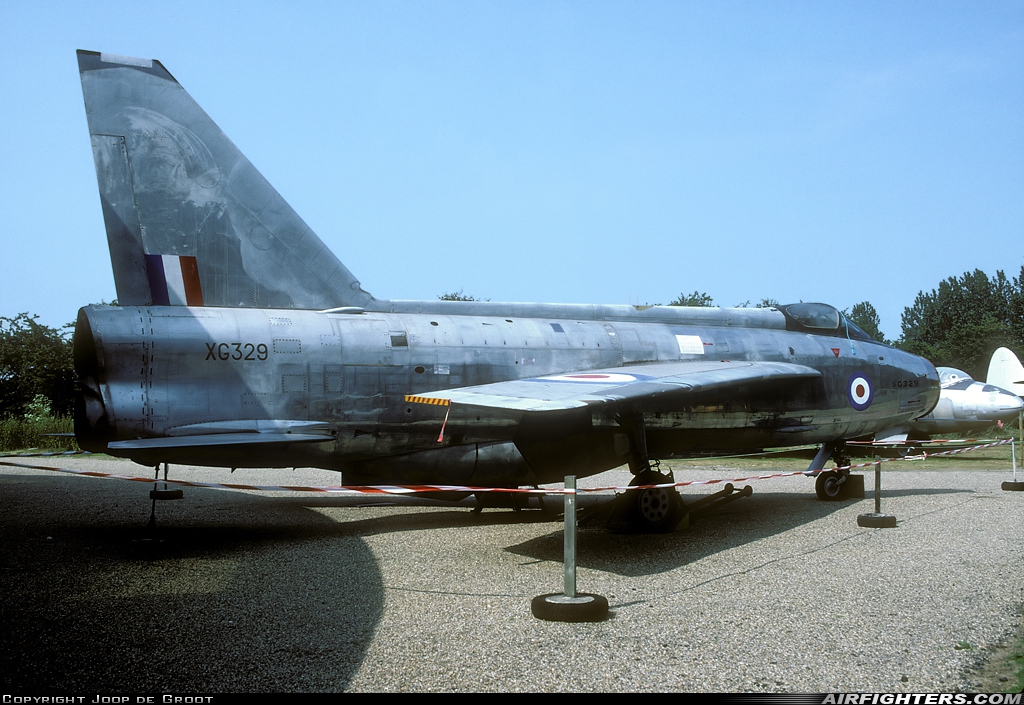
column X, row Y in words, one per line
column 46, row 454
column 922, row 443
column 420, row 489
column 924, row 455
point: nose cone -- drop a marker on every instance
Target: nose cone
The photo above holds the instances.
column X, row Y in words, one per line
column 1008, row 404
column 931, row 386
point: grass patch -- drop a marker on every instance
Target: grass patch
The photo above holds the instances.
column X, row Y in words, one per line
column 997, row 458
column 1003, row 670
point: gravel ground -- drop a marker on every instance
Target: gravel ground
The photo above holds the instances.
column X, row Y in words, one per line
column 280, row 592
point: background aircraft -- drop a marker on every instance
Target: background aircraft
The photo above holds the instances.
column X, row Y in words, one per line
column 966, row 406
column 240, row 340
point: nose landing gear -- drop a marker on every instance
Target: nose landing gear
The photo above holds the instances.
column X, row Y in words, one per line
column 834, row 485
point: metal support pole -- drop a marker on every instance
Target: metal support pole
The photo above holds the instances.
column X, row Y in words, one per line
column 1013, row 485
column 877, row 520
column 153, row 495
column 570, row 536
column 570, row 606
column 878, row 485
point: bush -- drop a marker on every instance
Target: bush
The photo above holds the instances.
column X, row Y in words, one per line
column 35, row 360
column 25, row 434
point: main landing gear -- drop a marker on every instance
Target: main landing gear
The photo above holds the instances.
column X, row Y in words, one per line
column 651, row 510
column 655, row 510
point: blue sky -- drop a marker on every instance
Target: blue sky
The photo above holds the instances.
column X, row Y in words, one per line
column 558, row 151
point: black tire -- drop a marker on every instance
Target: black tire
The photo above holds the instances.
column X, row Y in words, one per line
column 583, row 608
column 828, row 487
column 1013, row 486
column 655, row 511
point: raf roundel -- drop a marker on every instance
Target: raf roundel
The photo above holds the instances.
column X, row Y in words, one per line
column 859, row 391
column 594, row 378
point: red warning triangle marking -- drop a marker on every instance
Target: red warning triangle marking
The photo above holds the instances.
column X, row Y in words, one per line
column 835, row 351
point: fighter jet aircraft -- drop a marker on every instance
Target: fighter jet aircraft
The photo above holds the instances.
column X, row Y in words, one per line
column 966, row 406
column 240, row 340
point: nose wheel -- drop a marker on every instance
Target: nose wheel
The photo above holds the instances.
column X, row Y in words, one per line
column 829, row 486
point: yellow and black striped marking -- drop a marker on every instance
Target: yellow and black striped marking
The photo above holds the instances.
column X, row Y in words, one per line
column 413, row 399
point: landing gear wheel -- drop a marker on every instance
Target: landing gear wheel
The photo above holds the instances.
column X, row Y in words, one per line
column 828, row 486
column 657, row 510
column 556, row 607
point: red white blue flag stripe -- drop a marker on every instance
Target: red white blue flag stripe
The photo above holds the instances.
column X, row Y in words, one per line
column 174, row 280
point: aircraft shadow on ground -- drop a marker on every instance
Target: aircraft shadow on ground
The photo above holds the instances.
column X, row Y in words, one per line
column 236, row 592
column 248, row 596
column 739, row 523
column 917, row 492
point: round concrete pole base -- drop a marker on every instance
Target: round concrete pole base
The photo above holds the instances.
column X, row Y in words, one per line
column 557, row 607
column 876, row 521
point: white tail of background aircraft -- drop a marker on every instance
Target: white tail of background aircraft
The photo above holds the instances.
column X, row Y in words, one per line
column 1005, row 370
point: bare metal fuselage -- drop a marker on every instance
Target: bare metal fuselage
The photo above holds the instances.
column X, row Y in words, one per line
column 152, row 372
column 242, row 340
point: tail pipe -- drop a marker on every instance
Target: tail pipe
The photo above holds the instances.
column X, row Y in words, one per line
column 94, row 427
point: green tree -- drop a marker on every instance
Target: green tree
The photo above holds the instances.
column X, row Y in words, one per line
column 35, row 360
column 697, row 298
column 962, row 322
column 457, row 296
column 865, row 317
column 764, row 303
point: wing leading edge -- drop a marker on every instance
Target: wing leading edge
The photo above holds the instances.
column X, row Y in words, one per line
column 610, row 386
column 223, row 439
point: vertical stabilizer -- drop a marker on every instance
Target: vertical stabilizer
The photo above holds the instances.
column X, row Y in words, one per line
column 1005, row 370
column 190, row 221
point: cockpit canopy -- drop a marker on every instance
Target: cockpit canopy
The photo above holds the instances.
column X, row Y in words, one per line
column 952, row 378
column 951, row 375
column 822, row 319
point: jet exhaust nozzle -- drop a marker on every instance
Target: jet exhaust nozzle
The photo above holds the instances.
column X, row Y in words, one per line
column 93, row 426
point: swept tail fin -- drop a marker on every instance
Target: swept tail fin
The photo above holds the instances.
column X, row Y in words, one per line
column 190, row 221
column 1005, row 371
